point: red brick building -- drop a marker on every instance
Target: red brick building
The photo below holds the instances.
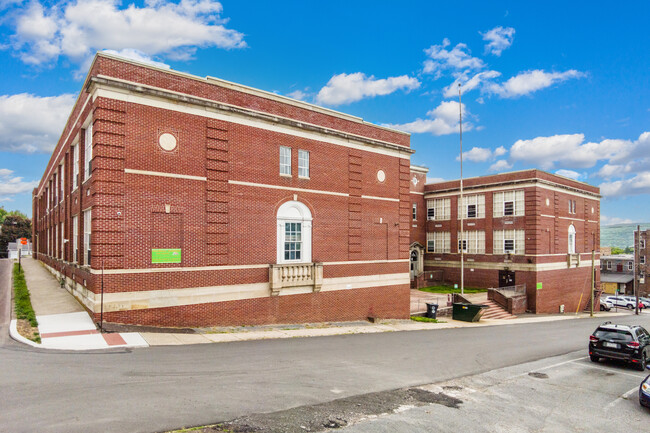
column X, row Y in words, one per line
column 528, row 227
column 641, row 249
column 194, row 201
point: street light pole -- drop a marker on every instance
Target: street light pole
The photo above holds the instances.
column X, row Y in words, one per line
column 461, row 207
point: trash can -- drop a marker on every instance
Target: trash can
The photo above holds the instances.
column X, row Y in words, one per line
column 468, row 312
column 432, row 310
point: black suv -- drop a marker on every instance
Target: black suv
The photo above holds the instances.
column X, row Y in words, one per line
column 627, row 343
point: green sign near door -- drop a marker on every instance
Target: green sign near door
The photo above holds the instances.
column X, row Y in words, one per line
column 170, row 255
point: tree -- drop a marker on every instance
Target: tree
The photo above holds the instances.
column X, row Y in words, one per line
column 14, row 227
column 616, row 250
column 4, row 213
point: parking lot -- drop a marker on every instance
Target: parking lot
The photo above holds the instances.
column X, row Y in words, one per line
column 561, row 394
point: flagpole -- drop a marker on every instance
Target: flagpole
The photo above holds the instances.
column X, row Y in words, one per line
column 462, row 208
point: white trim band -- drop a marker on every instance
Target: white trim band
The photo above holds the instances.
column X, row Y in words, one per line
column 158, row 173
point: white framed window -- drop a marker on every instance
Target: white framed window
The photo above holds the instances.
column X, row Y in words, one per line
column 285, row 161
column 87, row 236
column 508, row 203
column 509, row 241
column 55, row 188
column 438, row 209
column 303, row 163
column 572, row 206
column 55, row 253
column 642, row 260
column 572, row 239
column 438, row 242
column 75, row 239
column 630, row 266
column 415, row 211
column 473, row 242
column 62, row 181
column 62, row 242
column 473, row 206
column 294, row 233
column 609, row 265
column 642, row 244
column 75, row 166
column 88, row 150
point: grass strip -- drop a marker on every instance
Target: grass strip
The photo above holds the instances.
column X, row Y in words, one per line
column 426, row 319
column 22, row 302
column 451, row 289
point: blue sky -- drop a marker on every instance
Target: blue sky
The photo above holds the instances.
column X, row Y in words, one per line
column 562, row 86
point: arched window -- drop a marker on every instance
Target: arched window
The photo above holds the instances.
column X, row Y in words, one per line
column 572, row 239
column 294, row 233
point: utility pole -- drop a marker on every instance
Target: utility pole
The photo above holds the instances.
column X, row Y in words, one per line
column 462, row 208
column 637, row 267
column 593, row 272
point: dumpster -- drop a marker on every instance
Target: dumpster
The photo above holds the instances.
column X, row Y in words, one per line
column 432, row 310
column 468, row 312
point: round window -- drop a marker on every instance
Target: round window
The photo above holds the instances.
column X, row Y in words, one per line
column 167, row 141
column 381, row 176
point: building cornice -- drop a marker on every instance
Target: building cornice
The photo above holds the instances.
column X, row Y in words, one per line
column 185, row 99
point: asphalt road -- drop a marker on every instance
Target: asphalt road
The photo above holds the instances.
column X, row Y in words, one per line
column 162, row 388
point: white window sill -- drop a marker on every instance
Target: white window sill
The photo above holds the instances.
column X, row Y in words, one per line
column 304, row 177
column 286, row 175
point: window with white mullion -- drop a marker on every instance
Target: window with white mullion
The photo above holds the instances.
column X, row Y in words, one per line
column 292, row 241
column 415, row 211
column 303, row 163
column 472, row 206
column 75, row 239
column 431, row 210
column 88, row 151
column 75, row 166
column 508, row 203
column 509, row 241
column 87, row 237
column 285, row 160
column 62, row 181
column 473, row 242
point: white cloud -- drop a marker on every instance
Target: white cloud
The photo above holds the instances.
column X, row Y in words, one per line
column 498, row 39
column 139, row 56
column 569, row 173
column 529, row 82
column 298, row 94
column 32, row 123
column 12, row 185
column 477, row 154
column 467, row 85
column 608, row 221
column 347, row 88
column 638, row 184
column 609, row 171
column 78, row 29
column 568, row 150
column 501, row 165
column 500, row 151
column 442, row 120
column 441, row 58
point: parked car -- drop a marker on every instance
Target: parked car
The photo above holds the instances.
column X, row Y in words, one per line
column 623, row 301
column 605, row 305
column 646, row 301
column 644, row 392
column 630, row 343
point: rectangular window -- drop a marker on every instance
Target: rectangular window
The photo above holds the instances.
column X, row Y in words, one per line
column 439, row 242
column 415, row 211
column 303, row 163
column 438, row 209
column 55, row 253
column 630, row 266
column 642, row 260
column 75, row 238
column 473, row 206
column 642, row 244
column 88, row 153
column 292, row 241
column 509, row 241
column 285, row 160
column 572, row 206
column 62, row 242
column 75, row 167
column 87, row 237
column 55, row 188
column 62, row 182
column 473, row 242
column 609, row 266
column 463, row 247
column 508, row 203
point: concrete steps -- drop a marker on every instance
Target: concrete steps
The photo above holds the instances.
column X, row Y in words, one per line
column 495, row 311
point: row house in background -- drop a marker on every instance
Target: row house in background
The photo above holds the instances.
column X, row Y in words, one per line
column 617, row 274
column 195, row 201
column 641, row 239
column 528, row 227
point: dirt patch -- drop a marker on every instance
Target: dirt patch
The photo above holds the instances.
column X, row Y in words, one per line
column 26, row 330
column 334, row 414
column 538, row 375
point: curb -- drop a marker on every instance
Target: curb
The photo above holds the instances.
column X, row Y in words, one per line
column 13, row 333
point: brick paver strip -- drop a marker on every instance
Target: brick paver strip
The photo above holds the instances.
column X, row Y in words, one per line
column 114, row 339
column 68, row 333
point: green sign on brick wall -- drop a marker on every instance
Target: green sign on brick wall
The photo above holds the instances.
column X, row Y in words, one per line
column 539, row 286
column 170, row 255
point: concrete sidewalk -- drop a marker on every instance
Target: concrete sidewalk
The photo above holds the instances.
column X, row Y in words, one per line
column 64, row 323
